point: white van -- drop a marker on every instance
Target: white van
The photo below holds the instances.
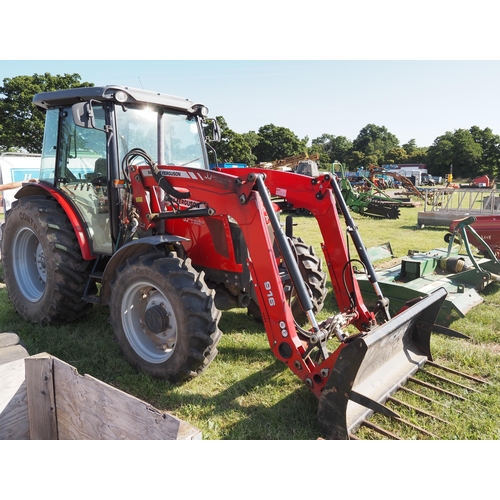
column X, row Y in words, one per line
column 17, row 167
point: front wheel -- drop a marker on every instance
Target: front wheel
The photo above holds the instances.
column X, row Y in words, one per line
column 164, row 316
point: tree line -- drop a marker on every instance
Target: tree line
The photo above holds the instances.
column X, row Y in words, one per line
column 471, row 152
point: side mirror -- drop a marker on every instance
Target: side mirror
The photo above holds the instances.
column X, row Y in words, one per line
column 82, row 114
column 216, row 132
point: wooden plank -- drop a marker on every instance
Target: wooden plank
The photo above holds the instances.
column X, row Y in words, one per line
column 13, row 401
column 41, row 404
column 88, row 408
column 7, row 339
column 12, row 353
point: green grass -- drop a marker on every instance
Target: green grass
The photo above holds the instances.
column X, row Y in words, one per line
column 246, row 394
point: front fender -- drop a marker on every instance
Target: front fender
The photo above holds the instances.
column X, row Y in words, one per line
column 135, row 247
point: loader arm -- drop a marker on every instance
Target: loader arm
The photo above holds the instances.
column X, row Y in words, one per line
column 225, row 193
column 367, row 367
column 319, row 196
column 222, row 193
column 237, row 196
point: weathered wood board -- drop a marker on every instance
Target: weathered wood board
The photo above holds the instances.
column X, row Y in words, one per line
column 10, row 348
column 88, row 408
column 42, row 397
column 13, row 401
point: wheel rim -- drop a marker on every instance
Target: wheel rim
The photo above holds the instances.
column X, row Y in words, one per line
column 29, row 265
column 154, row 345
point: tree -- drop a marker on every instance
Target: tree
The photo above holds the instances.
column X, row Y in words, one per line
column 234, row 147
column 332, row 148
column 21, row 123
column 276, row 143
column 419, row 155
column 252, row 139
column 395, row 156
column 324, row 161
column 358, row 159
column 456, row 148
column 490, row 142
column 375, row 142
column 440, row 154
column 410, row 146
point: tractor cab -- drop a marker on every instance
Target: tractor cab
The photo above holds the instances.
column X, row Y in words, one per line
column 88, row 133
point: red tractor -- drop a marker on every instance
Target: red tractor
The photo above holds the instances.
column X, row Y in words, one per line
column 127, row 214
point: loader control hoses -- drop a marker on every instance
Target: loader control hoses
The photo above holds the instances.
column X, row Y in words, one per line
column 162, row 181
column 382, row 303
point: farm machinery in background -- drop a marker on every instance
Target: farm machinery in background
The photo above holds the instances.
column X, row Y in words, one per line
column 301, row 164
column 127, row 214
column 405, row 182
column 483, row 232
column 454, row 268
column 370, row 201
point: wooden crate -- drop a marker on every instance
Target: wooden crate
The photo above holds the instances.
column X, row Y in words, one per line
column 42, row 397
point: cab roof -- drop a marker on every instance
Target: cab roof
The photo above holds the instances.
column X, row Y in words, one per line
column 47, row 100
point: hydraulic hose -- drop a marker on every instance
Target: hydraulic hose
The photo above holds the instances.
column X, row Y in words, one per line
column 286, row 252
column 352, row 229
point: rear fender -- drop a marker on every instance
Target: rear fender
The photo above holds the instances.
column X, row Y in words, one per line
column 135, row 247
column 42, row 189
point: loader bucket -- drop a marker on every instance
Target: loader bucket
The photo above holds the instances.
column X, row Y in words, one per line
column 372, row 367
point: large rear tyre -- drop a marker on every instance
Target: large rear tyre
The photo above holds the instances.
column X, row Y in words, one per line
column 44, row 270
column 315, row 279
column 164, row 316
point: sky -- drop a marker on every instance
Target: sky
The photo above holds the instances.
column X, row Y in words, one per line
column 413, row 99
column 419, row 68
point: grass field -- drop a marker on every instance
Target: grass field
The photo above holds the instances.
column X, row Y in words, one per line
column 246, row 394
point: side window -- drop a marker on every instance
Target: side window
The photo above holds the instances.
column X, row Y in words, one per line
column 82, row 150
column 82, row 175
column 48, row 162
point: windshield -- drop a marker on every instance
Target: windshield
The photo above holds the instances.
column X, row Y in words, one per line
column 169, row 138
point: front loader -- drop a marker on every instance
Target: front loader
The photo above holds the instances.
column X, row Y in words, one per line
column 127, row 214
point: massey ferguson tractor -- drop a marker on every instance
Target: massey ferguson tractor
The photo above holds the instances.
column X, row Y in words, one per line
column 127, row 214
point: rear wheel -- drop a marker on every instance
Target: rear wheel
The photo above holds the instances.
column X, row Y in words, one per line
column 164, row 316
column 44, row 270
column 315, row 279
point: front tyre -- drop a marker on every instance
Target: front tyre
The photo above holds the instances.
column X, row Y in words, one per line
column 164, row 316
column 44, row 270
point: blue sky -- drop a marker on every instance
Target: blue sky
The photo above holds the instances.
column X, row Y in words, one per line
column 420, row 68
column 414, row 99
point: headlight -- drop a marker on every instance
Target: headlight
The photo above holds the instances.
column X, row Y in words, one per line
column 121, row 96
column 200, row 109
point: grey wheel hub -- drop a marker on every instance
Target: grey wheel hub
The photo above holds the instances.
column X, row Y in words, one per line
column 29, row 264
column 149, row 322
column 156, row 319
